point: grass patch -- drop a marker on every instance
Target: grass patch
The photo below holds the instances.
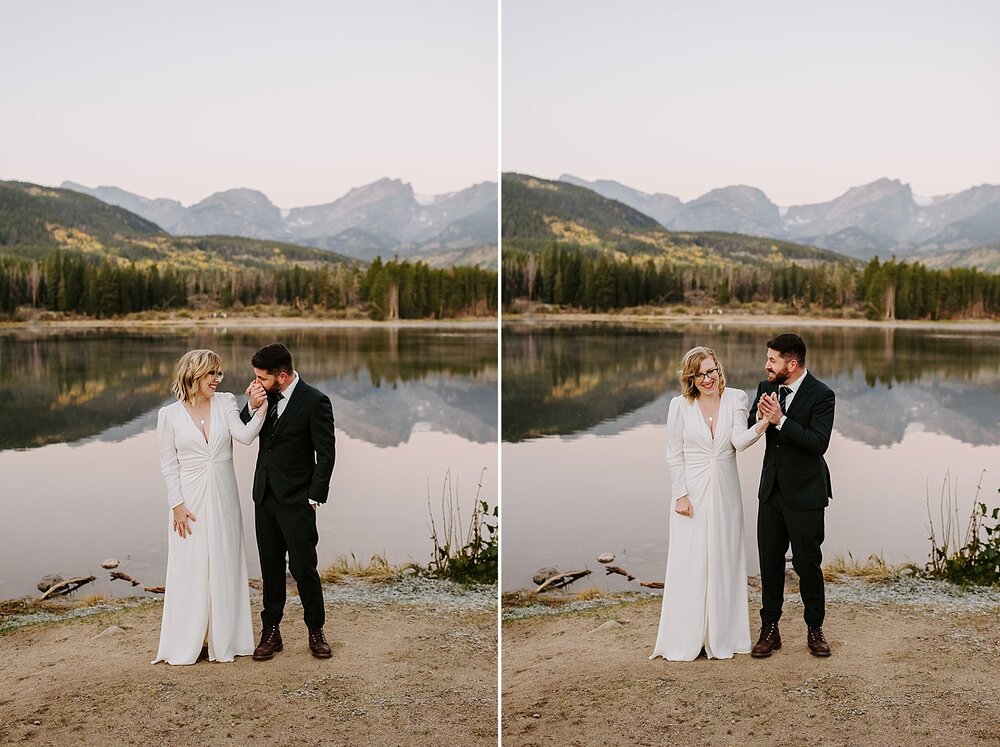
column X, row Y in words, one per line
column 377, row 569
column 971, row 558
column 873, row 569
column 468, row 556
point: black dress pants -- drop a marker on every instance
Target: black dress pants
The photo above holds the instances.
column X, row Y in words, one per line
column 779, row 525
column 288, row 530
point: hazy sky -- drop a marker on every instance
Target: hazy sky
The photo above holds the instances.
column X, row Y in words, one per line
column 300, row 100
column 801, row 99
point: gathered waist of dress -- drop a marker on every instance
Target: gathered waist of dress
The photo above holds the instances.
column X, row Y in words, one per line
column 196, row 462
column 698, row 456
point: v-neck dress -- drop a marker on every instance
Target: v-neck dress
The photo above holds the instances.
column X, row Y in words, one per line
column 705, row 591
column 206, row 587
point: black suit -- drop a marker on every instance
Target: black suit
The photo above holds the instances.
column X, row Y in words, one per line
column 295, row 457
column 794, row 490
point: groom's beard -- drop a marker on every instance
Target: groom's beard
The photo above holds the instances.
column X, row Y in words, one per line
column 777, row 378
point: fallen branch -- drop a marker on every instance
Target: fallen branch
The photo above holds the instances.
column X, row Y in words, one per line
column 65, row 587
column 154, row 589
column 563, row 579
column 609, row 569
column 123, row 577
column 651, row 584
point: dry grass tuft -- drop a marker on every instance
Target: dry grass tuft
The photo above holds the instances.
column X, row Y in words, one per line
column 377, row 570
column 591, row 592
column 93, row 600
column 873, row 569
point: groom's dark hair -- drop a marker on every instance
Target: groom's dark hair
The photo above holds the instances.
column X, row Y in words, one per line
column 790, row 346
column 273, row 358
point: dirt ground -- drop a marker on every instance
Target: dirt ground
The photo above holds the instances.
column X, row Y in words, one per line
column 401, row 674
column 899, row 675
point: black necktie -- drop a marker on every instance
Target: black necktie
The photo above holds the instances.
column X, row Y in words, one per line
column 783, row 392
column 272, row 411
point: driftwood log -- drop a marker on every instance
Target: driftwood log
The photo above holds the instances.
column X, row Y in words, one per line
column 154, row 589
column 609, row 569
column 563, row 579
column 651, row 584
column 124, row 577
column 67, row 586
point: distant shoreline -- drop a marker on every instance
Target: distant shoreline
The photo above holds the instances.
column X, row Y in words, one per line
column 744, row 320
column 247, row 322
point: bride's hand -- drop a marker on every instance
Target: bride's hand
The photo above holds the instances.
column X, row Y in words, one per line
column 181, row 516
column 684, row 507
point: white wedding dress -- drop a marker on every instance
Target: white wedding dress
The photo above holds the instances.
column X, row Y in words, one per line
column 207, row 597
column 705, row 591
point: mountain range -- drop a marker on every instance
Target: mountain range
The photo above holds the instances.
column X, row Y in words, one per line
column 881, row 218
column 537, row 212
column 36, row 219
column 383, row 218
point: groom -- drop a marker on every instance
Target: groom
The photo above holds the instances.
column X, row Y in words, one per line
column 794, row 488
column 295, row 456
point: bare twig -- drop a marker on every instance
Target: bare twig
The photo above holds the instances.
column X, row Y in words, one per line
column 65, row 587
column 609, row 569
column 563, row 579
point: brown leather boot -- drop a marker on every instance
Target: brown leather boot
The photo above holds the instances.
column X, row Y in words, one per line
column 768, row 642
column 817, row 643
column 270, row 643
column 318, row 645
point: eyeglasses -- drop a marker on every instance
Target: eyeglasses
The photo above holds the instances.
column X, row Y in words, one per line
column 217, row 375
column 709, row 374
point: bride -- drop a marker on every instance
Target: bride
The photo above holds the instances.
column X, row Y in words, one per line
column 206, row 609
column 705, row 592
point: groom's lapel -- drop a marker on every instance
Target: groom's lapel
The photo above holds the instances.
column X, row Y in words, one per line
column 802, row 395
column 291, row 408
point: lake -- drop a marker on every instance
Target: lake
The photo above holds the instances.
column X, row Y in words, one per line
column 80, row 467
column 584, row 439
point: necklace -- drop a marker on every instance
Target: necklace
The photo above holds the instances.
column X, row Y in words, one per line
column 710, row 420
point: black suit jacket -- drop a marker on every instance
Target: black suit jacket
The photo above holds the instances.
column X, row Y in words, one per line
column 793, row 457
column 297, row 462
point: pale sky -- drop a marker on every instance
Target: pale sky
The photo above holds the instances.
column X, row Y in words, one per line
column 801, row 99
column 300, row 100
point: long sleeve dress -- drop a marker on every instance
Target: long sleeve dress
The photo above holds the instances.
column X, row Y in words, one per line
column 705, row 591
column 206, row 587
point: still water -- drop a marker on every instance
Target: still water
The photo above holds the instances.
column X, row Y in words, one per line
column 584, row 440
column 79, row 467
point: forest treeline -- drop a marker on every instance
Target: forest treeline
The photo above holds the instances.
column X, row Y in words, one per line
column 566, row 275
column 78, row 283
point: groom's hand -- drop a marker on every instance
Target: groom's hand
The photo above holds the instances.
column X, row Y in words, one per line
column 770, row 408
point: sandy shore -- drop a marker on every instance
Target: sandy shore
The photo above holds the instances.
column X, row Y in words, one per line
column 414, row 663
column 912, row 664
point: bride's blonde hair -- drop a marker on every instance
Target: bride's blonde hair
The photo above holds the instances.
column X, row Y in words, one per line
column 689, row 370
column 193, row 366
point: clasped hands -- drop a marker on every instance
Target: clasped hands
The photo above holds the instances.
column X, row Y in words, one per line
column 768, row 409
column 257, row 394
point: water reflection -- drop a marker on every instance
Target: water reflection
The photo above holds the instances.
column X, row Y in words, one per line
column 584, row 413
column 586, row 379
column 80, row 466
column 383, row 382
